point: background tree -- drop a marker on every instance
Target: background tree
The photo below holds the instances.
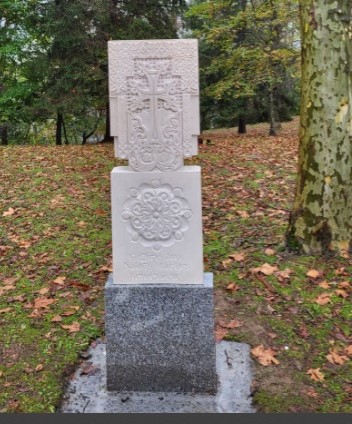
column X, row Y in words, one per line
column 251, row 54
column 321, row 220
column 54, row 59
column 18, row 47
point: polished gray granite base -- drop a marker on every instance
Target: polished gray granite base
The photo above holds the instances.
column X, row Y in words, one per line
column 160, row 337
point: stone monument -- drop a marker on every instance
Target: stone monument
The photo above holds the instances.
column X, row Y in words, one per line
column 159, row 303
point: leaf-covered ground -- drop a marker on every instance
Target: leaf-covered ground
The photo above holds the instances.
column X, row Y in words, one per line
column 55, row 254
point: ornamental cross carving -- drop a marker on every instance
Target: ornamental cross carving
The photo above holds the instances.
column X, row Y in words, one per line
column 154, row 102
column 154, row 117
column 153, row 93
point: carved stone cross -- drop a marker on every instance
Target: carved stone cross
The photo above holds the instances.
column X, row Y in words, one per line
column 154, row 102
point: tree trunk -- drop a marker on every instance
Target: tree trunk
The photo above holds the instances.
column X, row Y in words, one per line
column 321, row 219
column 107, row 136
column 4, row 135
column 64, row 128
column 272, row 130
column 59, row 122
column 242, row 129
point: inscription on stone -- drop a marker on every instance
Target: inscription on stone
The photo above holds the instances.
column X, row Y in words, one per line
column 147, row 268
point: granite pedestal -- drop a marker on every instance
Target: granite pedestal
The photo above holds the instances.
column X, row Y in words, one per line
column 160, row 337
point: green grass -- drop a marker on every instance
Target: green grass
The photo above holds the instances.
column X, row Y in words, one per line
column 61, row 228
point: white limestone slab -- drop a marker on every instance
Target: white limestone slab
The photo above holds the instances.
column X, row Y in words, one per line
column 156, row 226
column 154, row 102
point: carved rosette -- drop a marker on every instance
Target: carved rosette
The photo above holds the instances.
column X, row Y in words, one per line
column 157, row 215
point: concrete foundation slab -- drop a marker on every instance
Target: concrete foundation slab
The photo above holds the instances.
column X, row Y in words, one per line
column 87, row 392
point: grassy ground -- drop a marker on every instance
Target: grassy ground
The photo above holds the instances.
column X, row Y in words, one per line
column 55, row 253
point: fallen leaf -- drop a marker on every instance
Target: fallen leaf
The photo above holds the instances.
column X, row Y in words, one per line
column 39, row 367
column 105, row 268
column 9, row 212
column 324, row 284
column 19, row 298
column 269, row 252
column 60, row 281
column 316, row 374
column 7, row 288
column 242, row 214
column 35, row 314
column 303, row 331
column 73, row 328
column 226, row 263
column 265, row 269
column 238, row 257
column 348, row 350
column 323, row 299
column 341, row 293
column 57, row 200
column 344, row 285
column 232, row 287
column 265, row 356
column 43, row 302
column 5, row 310
column 82, row 286
column 100, row 212
column 25, row 244
column 285, row 274
column 81, row 224
column 44, row 290
column 341, row 271
column 10, row 281
column 232, row 324
column 312, row 393
column 56, row 318
column 334, row 358
column 70, row 311
column 220, row 333
column 313, row 273
column 88, row 368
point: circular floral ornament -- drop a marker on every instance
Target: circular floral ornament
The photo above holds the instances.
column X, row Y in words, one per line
column 157, row 214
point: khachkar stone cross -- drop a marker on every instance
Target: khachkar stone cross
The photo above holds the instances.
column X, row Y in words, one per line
column 159, row 321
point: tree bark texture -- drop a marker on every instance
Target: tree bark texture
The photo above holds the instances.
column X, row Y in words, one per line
column 321, row 220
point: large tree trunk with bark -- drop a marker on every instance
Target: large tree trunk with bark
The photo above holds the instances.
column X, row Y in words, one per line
column 321, row 220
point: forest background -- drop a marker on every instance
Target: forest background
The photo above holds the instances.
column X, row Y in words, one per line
column 53, row 62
